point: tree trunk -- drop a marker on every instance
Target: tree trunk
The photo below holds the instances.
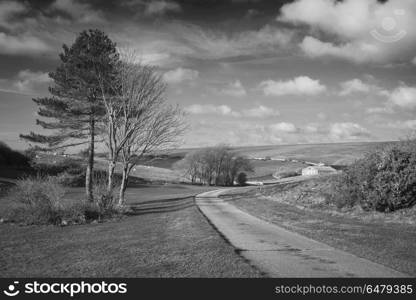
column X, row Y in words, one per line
column 123, row 187
column 90, row 163
column 111, row 169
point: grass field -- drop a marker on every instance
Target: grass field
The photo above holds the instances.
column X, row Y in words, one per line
column 150, row 192
column 334, row 154
column 175, row 244
column 263, row 169
column 385, row 240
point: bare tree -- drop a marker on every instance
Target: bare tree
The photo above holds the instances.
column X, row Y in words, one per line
column 139, row 120
column 215, row 165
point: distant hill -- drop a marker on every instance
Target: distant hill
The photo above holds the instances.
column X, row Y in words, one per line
column 331, row 153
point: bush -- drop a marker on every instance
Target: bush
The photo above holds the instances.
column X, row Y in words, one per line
column 37, row 200
column 242, row 179
column 40, row 200
column 384, row 180
column 106, row 200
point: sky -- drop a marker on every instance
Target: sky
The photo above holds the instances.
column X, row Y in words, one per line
column 246, row 72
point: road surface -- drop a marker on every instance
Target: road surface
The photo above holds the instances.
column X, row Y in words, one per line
column 282, row 253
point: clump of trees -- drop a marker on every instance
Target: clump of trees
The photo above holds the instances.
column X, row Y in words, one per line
column 102, row 95
column 384, row 180
column 214, row 166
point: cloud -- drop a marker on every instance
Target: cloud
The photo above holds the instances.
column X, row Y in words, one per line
column 20, row 45
column 403, row 97
column 414, row 60
column 302, row 85
column 161, row 7
column 180, row 75
column 404, row 125
column 347, row 131
column 354, row 86
column 260, row 112
column 379, row 110
column 356, row 30
column 223, row 110
column 234, row 89
column 26, row 82
column 9, row 9
column 154, row 58
column 283, row 127
column 214, row 44
column 78, row 11
column 357, row 52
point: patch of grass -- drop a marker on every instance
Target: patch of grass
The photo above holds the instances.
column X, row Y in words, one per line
column 263, row 169
column 149, row 192
column 175, row 244
column 377, row 239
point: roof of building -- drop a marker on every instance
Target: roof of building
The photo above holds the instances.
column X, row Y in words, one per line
column 321, row 168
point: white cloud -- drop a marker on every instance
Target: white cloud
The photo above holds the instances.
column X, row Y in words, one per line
column 379, row 110
column 212, row 44
column 357, row 52
column 404, row 97
column 201, row 109
column 354, row 86
column 408, row 124
column 347, row 131
column 260, row 112
column 224, row 110
column 154, row 58
column 350, row 23
column 234, row 89
column 180, row 75
column 80, row 12
column 26, row 82
column 9, row 9
column 160, row 7
column 24, row 44
column 283, row 127
column 302, row 85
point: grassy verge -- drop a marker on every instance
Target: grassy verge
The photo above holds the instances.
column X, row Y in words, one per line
column 388, row 243
column 150, row 192
column 176, row 244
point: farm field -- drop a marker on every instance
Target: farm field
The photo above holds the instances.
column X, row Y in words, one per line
column 163, row 168
column 340, row 154
column 333, row 154
column 264, row 169
column 174, row 244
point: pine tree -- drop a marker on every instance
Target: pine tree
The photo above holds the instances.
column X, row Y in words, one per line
column 75, row 110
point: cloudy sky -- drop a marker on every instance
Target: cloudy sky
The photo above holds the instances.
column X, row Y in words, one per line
column 248, row 72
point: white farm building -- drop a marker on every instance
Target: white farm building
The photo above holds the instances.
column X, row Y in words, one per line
column 317, row 170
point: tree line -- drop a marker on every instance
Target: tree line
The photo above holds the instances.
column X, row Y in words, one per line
column 214, row 166
column 102, row 94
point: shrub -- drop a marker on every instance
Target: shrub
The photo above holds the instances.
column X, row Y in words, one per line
column 384, row 180
column 242, row 179
column 37, row 200
column 40, row 200
column 106, row 200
